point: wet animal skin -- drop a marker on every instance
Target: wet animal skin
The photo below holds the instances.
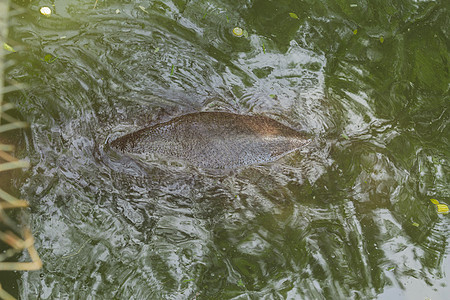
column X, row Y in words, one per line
column 215, row 140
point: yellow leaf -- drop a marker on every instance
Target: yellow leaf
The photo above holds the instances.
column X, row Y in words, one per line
column 434, row 201
column 293, row 15
column 237, row 31
column 355, row 31
column 143, row 9
column 46, row 11
column 8, row 47
column 415, row 224
column 442, row 208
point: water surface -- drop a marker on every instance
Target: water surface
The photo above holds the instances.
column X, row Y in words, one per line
column 349, row 216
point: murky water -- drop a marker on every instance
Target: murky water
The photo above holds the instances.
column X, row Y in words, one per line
column 348, row 216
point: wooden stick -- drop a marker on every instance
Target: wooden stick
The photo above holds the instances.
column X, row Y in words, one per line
column 7, row 156
column 5, row 295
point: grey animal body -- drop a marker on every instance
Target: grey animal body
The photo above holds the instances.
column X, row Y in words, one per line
column 215, row 140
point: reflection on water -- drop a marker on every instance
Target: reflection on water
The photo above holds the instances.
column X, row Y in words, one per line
column 348, row 216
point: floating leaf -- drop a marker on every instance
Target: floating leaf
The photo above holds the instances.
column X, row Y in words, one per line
column 46, row 11
column 245, row 33
column 345, row 136
column 241, row 283
column 8, row 47
column 156, row 50
column 237, row 31
column 415, row 224
column 187, row 280
column 117, row 11
column 442, row 209
column 173, row 69
column 391, row 268
column 228, row 20
column 382, row 39
column 143, row 9
column 355, row 31
column 293, row 15
column 48, row 58
column 264, row 48
column 353, row 5
column 273, row 96
column 434, row 201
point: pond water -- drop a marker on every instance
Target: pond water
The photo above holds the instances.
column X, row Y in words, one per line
column 348, row 216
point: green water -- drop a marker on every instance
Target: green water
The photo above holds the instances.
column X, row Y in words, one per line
column 349, row 217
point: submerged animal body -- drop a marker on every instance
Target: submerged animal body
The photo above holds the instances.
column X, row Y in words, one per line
column 215, row 140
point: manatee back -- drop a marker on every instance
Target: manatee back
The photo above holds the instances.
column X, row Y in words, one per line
column 215, row 140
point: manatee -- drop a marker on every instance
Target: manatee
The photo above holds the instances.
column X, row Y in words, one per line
column 214, row 140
